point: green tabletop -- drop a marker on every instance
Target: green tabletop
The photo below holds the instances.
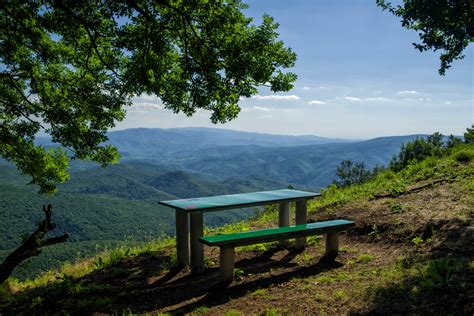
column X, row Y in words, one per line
column 231, row 201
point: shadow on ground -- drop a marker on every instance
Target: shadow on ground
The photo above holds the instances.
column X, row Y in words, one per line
column 139, row 285
column 442, row 278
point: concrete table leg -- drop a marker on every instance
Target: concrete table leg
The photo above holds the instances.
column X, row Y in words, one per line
column 182, row 238
column 300, row 218
column 284, row 219
column 226, row 263
column 197, row 248
column 332, row 244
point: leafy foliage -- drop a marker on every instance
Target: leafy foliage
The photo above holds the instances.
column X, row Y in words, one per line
column 469, row 135
column 70, row 68
column 351, row 173
column 418, row 150
column 446, row 25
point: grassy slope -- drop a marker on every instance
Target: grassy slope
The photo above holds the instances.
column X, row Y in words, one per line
column 409, row 253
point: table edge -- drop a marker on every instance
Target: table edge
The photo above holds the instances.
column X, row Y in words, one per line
column 236, row 206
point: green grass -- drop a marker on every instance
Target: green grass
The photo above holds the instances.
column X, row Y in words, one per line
column 86, row 266
column 259, row 292
column 233, row 312
column 271, row 312
column 201, row 310
column 364, row 258
column 396, row 183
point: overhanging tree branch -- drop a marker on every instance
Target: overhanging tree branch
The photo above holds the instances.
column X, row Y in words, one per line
column 32, row 245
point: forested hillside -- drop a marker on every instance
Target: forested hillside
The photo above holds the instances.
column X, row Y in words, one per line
column 103, row 207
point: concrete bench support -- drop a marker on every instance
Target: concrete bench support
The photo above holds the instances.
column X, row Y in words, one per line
column 197, row 248
column 300, row 218
column 284, row 219
column 332, row 244
column 182, row 238
column 226, row 263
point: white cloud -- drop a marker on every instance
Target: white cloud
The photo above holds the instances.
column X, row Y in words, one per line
column 405, row 92
column 145, row 103
column 381, row 99
column 145, row 107
column 267, row 116
column 364, row 99
column 316, row 102
column 306, row 88
column 261, row 108
column 290, row 97
column 447, row 102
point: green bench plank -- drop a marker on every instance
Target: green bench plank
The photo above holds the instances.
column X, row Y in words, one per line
column 274, row 234
column 231, row 201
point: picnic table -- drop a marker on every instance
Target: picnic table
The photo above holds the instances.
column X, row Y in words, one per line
column 189, row 218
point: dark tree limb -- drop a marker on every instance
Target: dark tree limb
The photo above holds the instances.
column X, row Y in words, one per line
column 32, row 245
column 412, row 190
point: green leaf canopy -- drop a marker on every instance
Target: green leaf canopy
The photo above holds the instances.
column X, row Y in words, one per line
column 70, row 68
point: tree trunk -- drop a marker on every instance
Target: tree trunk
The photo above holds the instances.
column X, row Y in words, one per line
column 32, row 245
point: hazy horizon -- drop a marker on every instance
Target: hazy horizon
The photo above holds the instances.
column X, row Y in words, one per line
column 235, row 130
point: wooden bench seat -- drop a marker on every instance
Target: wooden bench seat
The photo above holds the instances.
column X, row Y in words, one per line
column 228, row 242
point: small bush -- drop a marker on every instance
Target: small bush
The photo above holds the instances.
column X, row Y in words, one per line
column 464, row 156
column 437, row 274
column 418, row 150
column 351, row 173
column 469, row 135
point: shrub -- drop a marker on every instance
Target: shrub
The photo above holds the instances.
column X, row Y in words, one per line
column 351, row 173
column 469, row 135
column 464, row 156
column 418, row 150
column 437, row 274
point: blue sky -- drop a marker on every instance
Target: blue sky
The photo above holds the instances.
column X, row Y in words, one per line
column 358, row 77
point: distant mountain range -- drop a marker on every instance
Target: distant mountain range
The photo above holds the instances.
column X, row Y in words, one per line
column 303, row 161
column 157, row 142
column 309, row 166
column 225, row 155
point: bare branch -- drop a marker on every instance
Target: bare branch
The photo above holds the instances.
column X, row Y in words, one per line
column 32, row 245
